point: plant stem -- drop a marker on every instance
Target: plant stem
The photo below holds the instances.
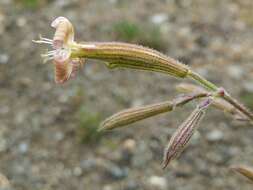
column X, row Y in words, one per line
column 237, row 105
column 201, row 80
column 133, row 115
column 227, row 97
column 137, row 57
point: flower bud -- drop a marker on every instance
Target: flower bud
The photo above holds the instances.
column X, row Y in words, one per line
column 183, row 134
column 132, row 115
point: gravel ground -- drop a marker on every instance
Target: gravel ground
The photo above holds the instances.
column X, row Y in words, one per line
column 47, row 137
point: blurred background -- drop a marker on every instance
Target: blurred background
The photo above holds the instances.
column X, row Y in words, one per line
column 48, row 137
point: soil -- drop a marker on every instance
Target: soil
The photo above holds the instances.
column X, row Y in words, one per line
column 46, row 141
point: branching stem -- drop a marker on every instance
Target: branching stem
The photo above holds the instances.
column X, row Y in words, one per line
column 226, row 96
column 123, row 55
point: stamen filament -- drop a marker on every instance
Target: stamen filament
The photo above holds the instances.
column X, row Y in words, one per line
column 42, row 42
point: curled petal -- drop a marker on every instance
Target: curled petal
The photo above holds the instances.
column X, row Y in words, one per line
column 64, row 32
column 63, row 71
column 76, row 64
column 55, row 23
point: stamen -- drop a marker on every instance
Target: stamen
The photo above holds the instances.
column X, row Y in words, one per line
column 47, row 55
column 53, row 52
column 46, row 39
column 43, row 40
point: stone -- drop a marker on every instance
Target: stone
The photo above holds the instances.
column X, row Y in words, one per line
column 21, row 22
column 116, row 172
column 4, row 58
column 235, row 71
column 23, row 147
column 215, row 135
column 77, row 171
column 159, row 18
column 107, row 187
column 248, row 86
column 132, row 185
column 88, row 164
column 158, row 182
column 129, row 145
column 113, row 1
column 59, row 136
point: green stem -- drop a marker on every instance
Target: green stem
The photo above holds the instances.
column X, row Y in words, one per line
column 138, row 57
column 205, row 83
column 227, row 97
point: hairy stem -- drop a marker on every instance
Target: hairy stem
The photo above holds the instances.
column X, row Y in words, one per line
column 125, row 55
column 227, row 97
column 218, row 103
column 201, row 80
column 238, row 105
column 133, row 115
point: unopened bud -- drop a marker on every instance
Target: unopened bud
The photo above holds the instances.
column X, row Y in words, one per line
column 132, row 115
column 183, row 134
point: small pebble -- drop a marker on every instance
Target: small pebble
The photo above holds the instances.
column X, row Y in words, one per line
column 65, row 3
column 107, row 187
column 235, row 72
column 159, row 18
column 21, row 21
column 113, row 1
column 248, row 86
column 4, row 58
column 88, row 164
column 136, row 103
column 129, row 145
column 215, row 135
column 23, row 147
column 77, row 171
column 132, row 185
column 117, row 173
column 157, row 181
column 59, row 136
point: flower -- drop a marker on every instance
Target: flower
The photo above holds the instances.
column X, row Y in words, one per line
column 62, row 43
